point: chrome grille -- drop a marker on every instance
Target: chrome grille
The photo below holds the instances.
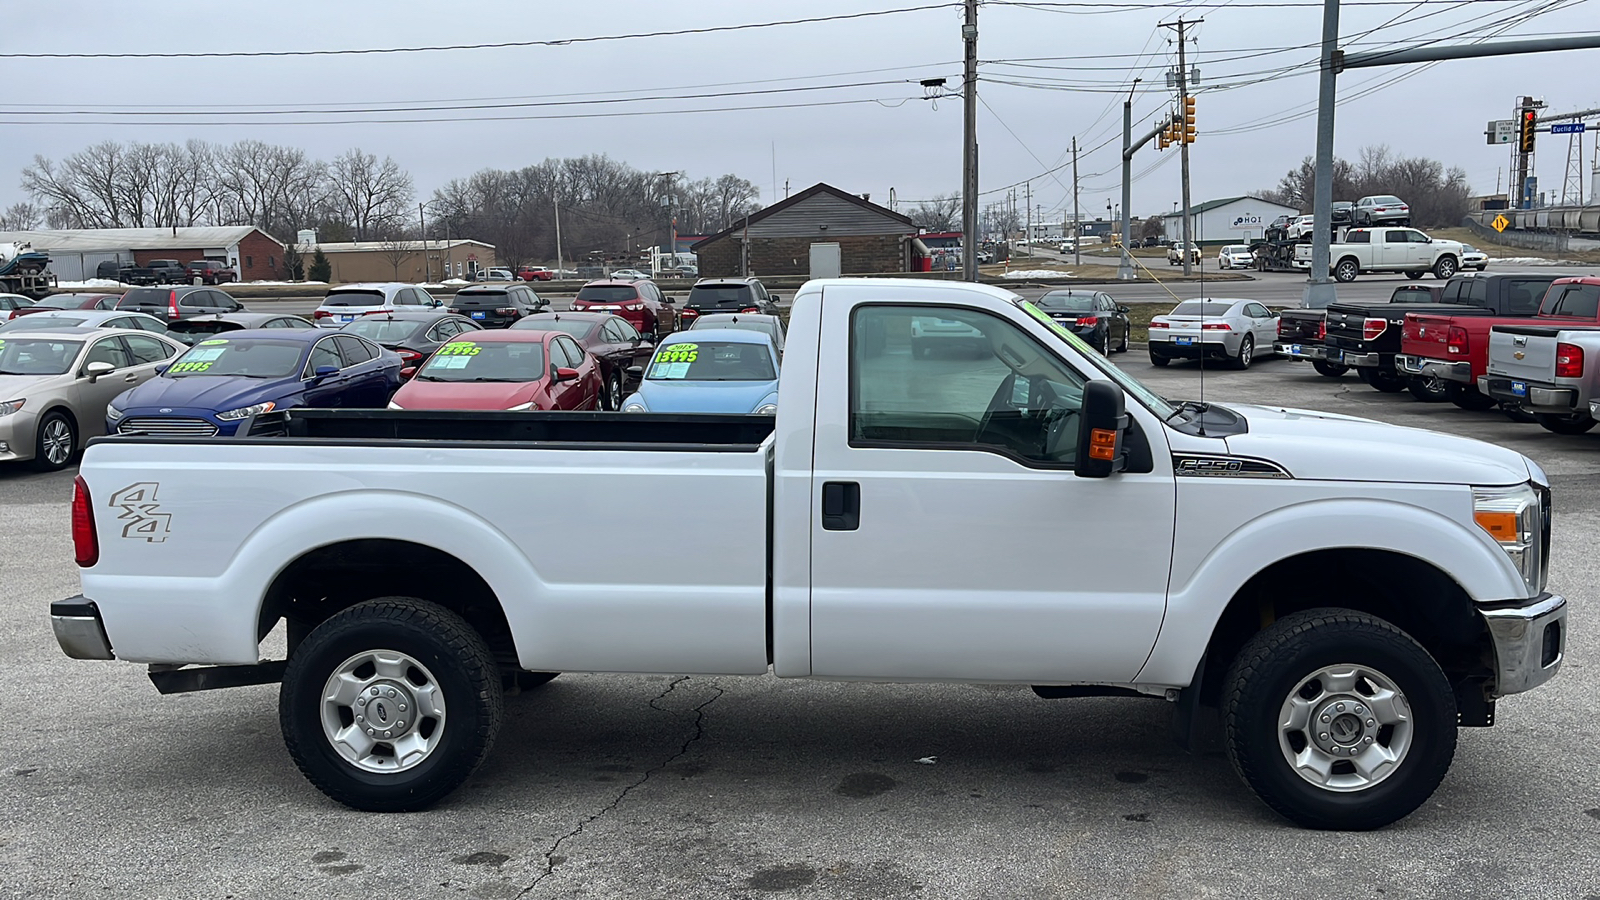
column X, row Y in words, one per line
column 161, row 426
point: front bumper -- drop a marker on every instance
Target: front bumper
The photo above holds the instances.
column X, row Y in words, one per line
column 1313, row 352
column 1529, row 642
column 79, row 631
column 1529, row 394
column 19, row 432
column 1434, row 368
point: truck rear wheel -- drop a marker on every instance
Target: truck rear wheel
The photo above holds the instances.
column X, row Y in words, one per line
column 1381, row 379
column 1415, row 276
column 1332, row 370
column 389, row 705
column 1428, row 390
column 1346, row 271
column 1339, row 720
column 1467, row 396
column 1574, row 423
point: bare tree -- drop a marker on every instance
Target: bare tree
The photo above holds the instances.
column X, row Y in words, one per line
column 375, row 198
column 22, row 216
column 1437, row 196
column 1152, row 227
column 397, row 252
column 939, row 214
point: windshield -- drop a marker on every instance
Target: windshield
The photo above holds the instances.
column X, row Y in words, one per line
column 384, row 331
column 1061, row 301
column 37, row 356
column 1197, row 308
column 515, row 361
column 1152, row 401
column 607, row 293
column 719, row 296
column 252, row 358
column 712, row 361
column 578, row 328
column 1235, row 248
column 146, row 297
column 43, row 320
column 353, row 298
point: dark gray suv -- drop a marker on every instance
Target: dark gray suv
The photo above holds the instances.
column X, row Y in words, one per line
column 497, row 304
column 181, row 302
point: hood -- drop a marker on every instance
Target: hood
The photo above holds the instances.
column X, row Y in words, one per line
column 467, row 394
column 1328, row 446
column 705, row 396
column 213, row 392
column 21, row 387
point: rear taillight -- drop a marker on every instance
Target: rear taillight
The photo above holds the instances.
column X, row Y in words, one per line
column 172, row 305
column 634, row 306
column 1456, row 339
column 377, row 312
column 321, row 314
column 1281, row 323
column 1322, row 329
column 1088, row 321
column 1371, row 328
column 1569, row 361
column 407, row 357
column 1215, row 326
column 85, row 545
column 1159, row 325
column 506, row 311
column 689, row 314
column 750, row 309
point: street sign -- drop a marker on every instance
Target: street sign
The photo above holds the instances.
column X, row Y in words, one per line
column 1501, row 223
column 1502, row 131
column 1567, row 128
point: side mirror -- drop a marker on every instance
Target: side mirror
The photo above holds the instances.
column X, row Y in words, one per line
column 95, row 369
column 162, row 368
column 1105, row 420
column 436, row 303
column 636, row 371
column 322, row 372
column 564, row 374
column 408, row 373
column 1124, row 310
column 669, row 301
column 774, row 297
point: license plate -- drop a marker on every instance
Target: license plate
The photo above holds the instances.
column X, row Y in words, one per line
column 478, row 315
column 347, row 318
column 1183, row 341
column 1294, row 350
column 1519, row 388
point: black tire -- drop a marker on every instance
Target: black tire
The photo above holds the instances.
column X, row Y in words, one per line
column 1265, row 676
column 1469, row 397
column 1428, row 390
column 527, row 681
column 1159, row 361
column 55, row 442
column 613, row 397
column 1332, row 370
column 1517, row 414
column 462, row 670
column 1415, row 276
column 1247, row 353
column 1123, row 347
column 1445, row 267
column 1381, row 380
column 1576, row 423
column 1105, row 343
column 1346, row 271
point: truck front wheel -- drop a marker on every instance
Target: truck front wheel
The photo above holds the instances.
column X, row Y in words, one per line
column 1339, row 720
column 1346, row 271
column 1445, row 267
column 389, row 705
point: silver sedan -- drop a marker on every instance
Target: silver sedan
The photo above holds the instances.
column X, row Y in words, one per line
column 55, row 385
column 1214, row 328
column 56, row 319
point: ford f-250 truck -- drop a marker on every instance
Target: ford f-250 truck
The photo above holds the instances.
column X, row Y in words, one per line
column 876, row 519
column 1451, row 349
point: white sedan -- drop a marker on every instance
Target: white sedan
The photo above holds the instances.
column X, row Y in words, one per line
column 1236, row 256
column 1224, row 329
column 1473, row 258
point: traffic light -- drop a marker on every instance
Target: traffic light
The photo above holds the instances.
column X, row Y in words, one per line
column 1188, row 119
column 1164, row 137
column 1530, row 118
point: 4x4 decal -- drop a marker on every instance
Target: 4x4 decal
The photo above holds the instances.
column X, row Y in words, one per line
column 142, row 513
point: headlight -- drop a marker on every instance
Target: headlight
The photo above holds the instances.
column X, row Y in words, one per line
column 10, row 406
column 522, row 406
column 245, row 412
column 634, row 407
column 1515, row 518
column 768, row 409
column 113, row 414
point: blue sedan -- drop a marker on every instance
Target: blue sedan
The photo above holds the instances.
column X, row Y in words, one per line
column 711, row 370
column 224, row 382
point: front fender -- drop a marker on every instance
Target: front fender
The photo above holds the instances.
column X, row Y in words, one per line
column 1467, row 555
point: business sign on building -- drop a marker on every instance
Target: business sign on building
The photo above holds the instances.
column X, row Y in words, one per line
column 1247, row 222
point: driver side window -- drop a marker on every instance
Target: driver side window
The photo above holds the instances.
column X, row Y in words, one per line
column 323, row 355
column 949, row 378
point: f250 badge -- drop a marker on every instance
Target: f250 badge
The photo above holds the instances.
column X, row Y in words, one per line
column 141, row 512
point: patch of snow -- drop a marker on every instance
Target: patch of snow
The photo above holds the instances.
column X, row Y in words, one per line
column 296, row 283
column 1532, row 261
column 456, row 281
column 1038, row 273
column 91, row 283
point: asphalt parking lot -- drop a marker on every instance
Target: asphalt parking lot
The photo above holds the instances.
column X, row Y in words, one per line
column 621, row 787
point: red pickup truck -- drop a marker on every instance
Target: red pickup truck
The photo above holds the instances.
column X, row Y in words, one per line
column 1454, row 349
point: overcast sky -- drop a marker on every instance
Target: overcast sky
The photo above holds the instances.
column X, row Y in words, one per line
column 902, row 143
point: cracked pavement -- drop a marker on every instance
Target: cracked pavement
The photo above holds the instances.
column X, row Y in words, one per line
column 652, row 786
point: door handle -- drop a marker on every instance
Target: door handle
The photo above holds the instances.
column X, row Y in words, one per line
column 841, row 505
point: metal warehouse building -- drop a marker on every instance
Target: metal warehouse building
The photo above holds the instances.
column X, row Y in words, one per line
column 74, row 253
column 1231, row 220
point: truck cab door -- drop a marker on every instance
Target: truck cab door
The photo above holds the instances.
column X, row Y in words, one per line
column 949, row 537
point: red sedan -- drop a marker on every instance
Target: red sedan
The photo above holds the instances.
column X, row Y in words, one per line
column 511, row 370
column 56, row 302
column 640, row 302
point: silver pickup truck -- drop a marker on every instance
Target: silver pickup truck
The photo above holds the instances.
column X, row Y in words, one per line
column 1551, row 371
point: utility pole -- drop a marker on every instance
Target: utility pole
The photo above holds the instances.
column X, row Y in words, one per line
column 1027, row 215
column 969, row 166
column 1183, row 149
column 555, row 201
column 1077, row 228
column 422, row 222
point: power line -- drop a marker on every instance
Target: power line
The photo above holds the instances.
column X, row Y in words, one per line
column 365, row 51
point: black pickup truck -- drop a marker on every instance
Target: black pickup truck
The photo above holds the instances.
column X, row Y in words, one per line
column 1302, row 333
column 1367, row 336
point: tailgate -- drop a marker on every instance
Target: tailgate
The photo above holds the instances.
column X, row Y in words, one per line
column 1525, row 357
column 1345, row 324
column 1425, row 335
column 1301, row 325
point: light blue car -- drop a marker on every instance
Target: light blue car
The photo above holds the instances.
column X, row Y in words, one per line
column 709, row 370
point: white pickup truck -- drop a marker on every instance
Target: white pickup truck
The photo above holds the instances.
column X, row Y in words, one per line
column 1407, row 250
column 1328, row 597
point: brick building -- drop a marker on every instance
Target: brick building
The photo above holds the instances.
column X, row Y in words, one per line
column 75, row 253
column 869, row 238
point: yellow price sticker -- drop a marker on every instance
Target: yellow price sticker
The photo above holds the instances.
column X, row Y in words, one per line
column 686, row 353
column 460, row 348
